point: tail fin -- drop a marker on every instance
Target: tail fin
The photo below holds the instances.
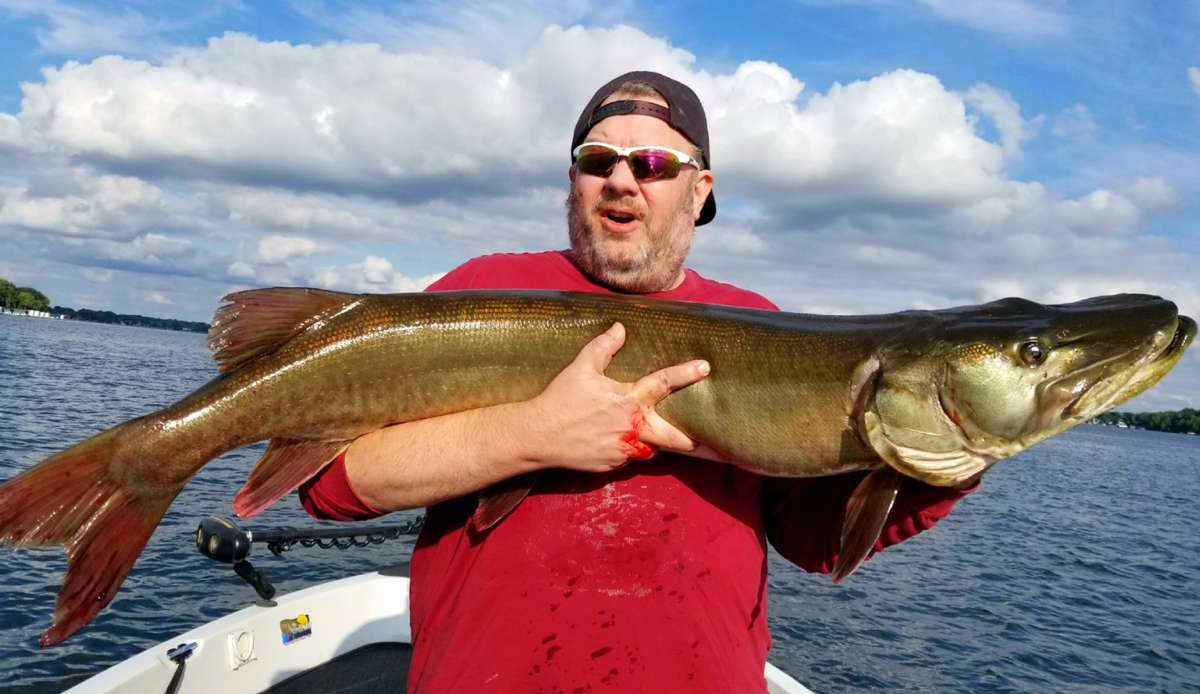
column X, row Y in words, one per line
column 72, row 500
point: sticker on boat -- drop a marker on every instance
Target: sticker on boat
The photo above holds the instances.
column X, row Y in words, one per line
column 295, row 629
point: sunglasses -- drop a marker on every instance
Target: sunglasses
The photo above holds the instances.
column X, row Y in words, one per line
column 646, row 163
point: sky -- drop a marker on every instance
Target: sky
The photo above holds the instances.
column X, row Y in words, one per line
column 870, row 155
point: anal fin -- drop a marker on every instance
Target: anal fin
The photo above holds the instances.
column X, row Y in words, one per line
column 287, row 464
column 499, row 500
column 866, row 512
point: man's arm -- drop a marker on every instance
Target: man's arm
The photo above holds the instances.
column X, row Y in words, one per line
column 803, row 517
column 582, row 421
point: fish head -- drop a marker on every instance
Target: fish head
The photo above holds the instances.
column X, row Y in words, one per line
column 983, row 383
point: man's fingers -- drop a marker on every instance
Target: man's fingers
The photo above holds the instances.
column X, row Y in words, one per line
column 660, row 433
column 658, row 385
column 650, row 389
column 598, row 353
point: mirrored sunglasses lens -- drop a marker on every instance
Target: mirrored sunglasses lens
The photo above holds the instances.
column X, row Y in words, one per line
column 653, row 164
column 596, row 161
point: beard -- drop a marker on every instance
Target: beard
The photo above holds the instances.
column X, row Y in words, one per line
column 653, row 266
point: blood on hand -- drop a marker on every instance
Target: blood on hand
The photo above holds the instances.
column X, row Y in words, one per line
column 632, row 442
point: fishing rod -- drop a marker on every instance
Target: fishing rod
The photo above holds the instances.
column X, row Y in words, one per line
column 221, row 539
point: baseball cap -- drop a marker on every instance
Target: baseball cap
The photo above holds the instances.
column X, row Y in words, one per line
column 684, row 113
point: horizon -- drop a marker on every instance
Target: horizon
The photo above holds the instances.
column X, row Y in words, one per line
column 870, row 156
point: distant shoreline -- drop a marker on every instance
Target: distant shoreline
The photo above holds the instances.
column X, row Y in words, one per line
column 29, row 302
column 88, row 315
column 1185, row 421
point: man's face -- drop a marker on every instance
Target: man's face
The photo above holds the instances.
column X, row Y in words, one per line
column 631, row 235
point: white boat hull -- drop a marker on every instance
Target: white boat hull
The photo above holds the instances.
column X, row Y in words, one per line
column 259, row 647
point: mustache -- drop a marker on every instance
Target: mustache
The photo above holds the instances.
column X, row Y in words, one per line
column 634, row 205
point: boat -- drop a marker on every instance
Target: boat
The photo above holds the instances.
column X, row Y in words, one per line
column 349, row 635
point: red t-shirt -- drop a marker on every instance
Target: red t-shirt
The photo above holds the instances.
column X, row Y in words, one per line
column 649, row 578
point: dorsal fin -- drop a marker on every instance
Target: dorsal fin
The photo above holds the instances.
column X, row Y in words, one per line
column 257, row 321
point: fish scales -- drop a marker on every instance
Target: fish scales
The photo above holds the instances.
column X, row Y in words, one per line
column 394, row 359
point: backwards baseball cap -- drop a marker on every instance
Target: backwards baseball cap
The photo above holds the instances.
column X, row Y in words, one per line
column 683, row 112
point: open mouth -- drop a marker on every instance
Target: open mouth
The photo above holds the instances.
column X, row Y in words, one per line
column 618, row 217
column 1185, row 332
column 1121, row 386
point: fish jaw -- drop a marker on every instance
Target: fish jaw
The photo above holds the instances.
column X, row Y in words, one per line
column 1156, row 368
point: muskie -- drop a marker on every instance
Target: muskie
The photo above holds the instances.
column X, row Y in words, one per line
column 935, row 395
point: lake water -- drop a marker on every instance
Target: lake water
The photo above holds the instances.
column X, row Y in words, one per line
column 1075, row 568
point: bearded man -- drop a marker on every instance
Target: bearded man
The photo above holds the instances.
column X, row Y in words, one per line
column 638, row 560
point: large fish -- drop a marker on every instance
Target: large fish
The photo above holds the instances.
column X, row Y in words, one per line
column 935, row 395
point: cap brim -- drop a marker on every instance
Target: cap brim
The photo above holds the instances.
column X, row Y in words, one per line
column 708, row 211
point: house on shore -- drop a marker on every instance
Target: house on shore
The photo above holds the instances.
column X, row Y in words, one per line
column 28, row 312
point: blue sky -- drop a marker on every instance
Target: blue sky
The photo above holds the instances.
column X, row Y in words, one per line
column 870, row 155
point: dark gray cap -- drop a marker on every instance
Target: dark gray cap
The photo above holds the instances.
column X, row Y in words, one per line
column 684, row 113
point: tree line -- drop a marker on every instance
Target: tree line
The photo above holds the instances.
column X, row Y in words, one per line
column 1178, row 421
column 94, row 316
column 30, row 299
column 27, row 298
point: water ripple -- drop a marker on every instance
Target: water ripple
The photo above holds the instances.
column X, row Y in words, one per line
column 1074, row 569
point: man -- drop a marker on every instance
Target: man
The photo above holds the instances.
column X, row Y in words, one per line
column 611, row 575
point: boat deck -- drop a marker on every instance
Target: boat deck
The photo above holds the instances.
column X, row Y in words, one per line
column 377, row 668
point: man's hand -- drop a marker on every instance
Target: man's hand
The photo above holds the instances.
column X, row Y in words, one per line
column 592, row 423
column 582, row 421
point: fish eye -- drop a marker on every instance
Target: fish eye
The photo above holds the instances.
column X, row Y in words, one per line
column 1032, row 353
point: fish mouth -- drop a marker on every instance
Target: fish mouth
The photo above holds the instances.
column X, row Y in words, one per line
column 1185, row 334
column 1122, row 385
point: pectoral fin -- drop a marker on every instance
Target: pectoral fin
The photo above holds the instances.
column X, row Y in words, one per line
column 866, row 512
column 499, row 500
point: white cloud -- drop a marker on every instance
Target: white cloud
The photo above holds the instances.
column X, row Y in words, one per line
column 1154, row 193
column 158, row 298
column 1100, row 211
column 80, row 29
column 1075, row 123
column 305, row 128
column 373, row 274
column 150, row 249
column 240, row 268
column 896, row 139
column 331, row 115
column 1194, row 78
column 286, row 119
column 724, row 239
column 1012, row 18
column 317, row 213
column 78, row 202
column 1005, row 113
column 277, row 249
column 10, row 131
column 457, row 28
column 869, row 254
